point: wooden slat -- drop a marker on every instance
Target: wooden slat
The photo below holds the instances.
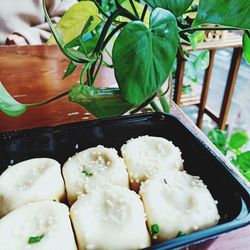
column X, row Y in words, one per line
column 206, row 84
column 231, row 81
column 230, row 40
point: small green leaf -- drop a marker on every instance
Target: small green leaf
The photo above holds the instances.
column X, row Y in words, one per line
column 238, row 139
column 9, row 105
column 246, row 47
column 224, row 12
column 196, row 38
column 74, row 56
column 246, row 174
column 177, row 7
column 70, row 69
column 35, row 239
column 81, row 18
column 243, row 161
column 87, row 173
column 155, row 229
column 191, row 72
column 101, row 102
column 180, row 234
column 202, row 60
column 142, row 61
column 218, row 137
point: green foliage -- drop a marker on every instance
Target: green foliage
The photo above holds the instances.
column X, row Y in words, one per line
column 9, row 105
column 246, row 46
column 219, row 138
column 145, row 42
column 177, row 7
column 75, row 19
column 232, row 147
column 229, row 13
column 100, row 102
column 196, row 38
column 237, row 140
column 202, row 60
column 143, row 61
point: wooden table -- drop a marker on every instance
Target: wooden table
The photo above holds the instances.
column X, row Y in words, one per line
column 33, row 74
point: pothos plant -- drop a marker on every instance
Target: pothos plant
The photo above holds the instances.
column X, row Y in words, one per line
column 145, row 38
column 233, row 147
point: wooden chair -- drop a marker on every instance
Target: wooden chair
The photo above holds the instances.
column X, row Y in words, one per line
column 230, row 40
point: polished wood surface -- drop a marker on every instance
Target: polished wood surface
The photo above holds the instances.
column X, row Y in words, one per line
column 33, row 74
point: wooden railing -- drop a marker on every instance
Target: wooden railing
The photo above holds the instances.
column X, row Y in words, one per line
column 230, row 40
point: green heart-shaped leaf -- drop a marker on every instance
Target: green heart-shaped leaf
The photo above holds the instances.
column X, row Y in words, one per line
column 238, row 140
column 178, row 7
column 224, row 12
column 196, row 38
column 9, row 105
column 143, row 57
column 243, row 161
column 101, row 102
column 74, row 20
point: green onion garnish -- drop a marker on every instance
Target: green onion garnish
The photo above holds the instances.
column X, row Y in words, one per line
column 155, row 229
column 35, row 239
column 87, row 173
column 180, row 233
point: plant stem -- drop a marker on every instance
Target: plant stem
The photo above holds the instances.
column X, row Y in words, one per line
column 155, row 106
column 164, row 103
column 133, row 7
column 48, row 101
column 109, row 53
column 98, row 69
column 207, row 28
column 190, row 11
column 112, row 33
column 144, row 12
column 83, row 72
column 89, row 77
column 104, row 32
column 107, row 64
column 100, row 8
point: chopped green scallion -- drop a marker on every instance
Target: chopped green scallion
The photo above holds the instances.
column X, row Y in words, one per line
column 87, row 173
column 35, row 239
column 180, row 234
column 155, row 229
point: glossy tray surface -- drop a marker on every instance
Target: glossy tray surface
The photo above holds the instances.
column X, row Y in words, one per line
column 63, row 141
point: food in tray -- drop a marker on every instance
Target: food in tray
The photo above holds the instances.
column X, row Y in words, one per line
column 105, row 213
column 31, row 180
column 177, row 203
column 111, row 217
column 93, row 167
column 43, row 225
column 147, row 155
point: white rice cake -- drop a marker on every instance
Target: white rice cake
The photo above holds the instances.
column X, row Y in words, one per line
column 43, row 225
column 147, row 155
column 177, row 202
column 32, row 180
column 93, row 167
column 112, row 218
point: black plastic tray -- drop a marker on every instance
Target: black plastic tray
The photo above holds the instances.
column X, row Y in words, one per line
column 60, row 142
